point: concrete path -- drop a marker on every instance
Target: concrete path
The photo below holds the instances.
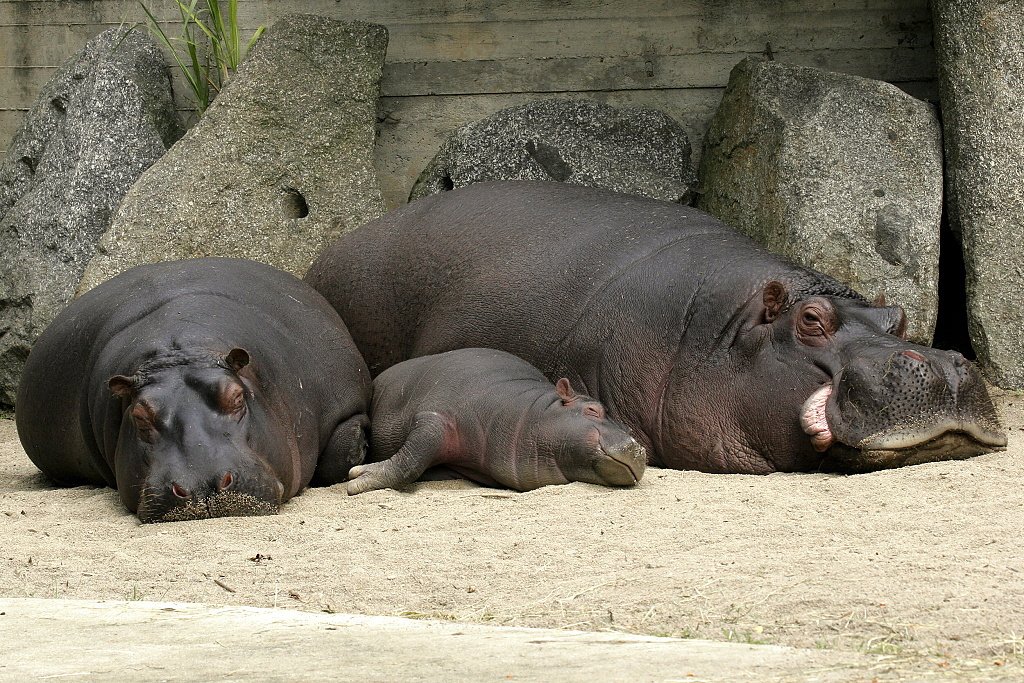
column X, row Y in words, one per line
column 70, row 640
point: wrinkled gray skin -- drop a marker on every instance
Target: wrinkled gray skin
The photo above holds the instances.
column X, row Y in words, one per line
column 494, row 418
column 200, row 388
column 717, row 355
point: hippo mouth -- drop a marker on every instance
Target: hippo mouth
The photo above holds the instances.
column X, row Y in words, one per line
column 927, row 439
column 622, row 466
column 222, row 504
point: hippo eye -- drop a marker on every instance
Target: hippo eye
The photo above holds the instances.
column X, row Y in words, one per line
column 232, row 401
column 143, row 420
column 594, row 411
column 810, row 323
column 814, row 325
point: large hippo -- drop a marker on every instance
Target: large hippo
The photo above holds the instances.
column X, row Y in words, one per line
column 200, row 388
column 494, row 418
column 719, row 355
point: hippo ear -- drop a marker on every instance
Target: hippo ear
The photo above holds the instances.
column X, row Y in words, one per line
column 237, row 359
column 774, row 298
column 565, row 391
column 899, row 325
column 121, row 386
column 893, row 319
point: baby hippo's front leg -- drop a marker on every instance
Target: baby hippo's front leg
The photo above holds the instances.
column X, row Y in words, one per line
column 420, row 451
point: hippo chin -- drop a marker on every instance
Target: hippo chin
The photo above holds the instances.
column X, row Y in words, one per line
column 717, row 354
column 192, row 388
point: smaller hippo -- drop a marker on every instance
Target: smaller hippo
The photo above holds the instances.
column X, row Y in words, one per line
column 494, row 418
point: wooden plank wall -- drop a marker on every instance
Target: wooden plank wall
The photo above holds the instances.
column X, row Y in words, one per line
column 453, row 61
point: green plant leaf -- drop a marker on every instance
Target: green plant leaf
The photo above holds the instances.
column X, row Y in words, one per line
column 192, row 73
column 255, row 37
column 221, row 44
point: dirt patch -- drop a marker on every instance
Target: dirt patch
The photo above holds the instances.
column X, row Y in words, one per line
column 922, row 565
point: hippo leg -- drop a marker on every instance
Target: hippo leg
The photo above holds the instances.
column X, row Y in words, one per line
column 420, row 451
column 346, row 449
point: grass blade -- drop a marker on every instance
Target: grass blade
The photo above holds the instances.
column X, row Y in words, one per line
column 193, row 77
column 255, row 37
column 206, row 67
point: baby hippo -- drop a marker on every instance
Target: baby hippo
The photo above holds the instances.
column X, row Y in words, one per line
column 494, row 418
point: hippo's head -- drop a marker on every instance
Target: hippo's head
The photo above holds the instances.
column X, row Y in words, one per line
column 186, row 445
column 585, row 445
column 862, row 396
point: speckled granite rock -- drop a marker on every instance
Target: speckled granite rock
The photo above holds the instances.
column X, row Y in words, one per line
column 636, row 150
column 839, row 173
column 279, row 165
column 979, row 50
column 97, row 124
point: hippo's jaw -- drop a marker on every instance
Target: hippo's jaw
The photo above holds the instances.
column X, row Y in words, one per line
column 928, row 438
column 947, row 446
column 621, row 465
column 218, row 505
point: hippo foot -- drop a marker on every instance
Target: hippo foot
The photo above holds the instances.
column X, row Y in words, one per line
column 374, row 476
column 419, row 452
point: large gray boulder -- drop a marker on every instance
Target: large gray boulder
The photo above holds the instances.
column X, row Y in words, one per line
column 97, row 124
column 278, row 166
column 635, row 149
column 839, row 173
column 979, row 48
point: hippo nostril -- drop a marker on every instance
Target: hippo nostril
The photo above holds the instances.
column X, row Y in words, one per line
column 180, row 491
column 959, row 374
column 225, row 482
column 914, row 355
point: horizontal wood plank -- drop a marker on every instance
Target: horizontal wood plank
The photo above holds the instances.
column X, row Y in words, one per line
column 48, row 12
column 652, row 36
column 649, row 37
column 585, row 74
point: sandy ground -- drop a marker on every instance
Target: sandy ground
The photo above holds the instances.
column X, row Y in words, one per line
column 921, row 568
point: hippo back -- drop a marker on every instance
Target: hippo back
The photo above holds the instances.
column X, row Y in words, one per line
column 538, row 269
